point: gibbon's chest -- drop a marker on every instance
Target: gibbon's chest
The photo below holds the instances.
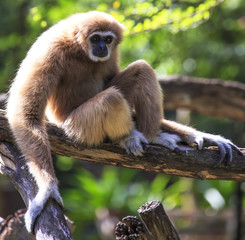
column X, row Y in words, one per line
column 83, row 82
column 75, row 87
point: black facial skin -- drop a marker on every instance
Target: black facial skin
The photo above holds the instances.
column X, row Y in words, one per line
column 99, row 44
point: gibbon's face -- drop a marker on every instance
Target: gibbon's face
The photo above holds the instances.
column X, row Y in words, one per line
column 101, row 45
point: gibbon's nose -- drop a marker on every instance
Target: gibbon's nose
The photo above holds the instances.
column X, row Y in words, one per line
column 102, row 46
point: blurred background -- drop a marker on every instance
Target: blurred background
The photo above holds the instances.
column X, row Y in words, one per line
column 203, row 38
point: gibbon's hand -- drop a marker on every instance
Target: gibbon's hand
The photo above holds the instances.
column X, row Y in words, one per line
column 36, row 206
column 134, row 143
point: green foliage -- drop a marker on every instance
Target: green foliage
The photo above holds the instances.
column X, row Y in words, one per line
column 119, row 190
column 153, row 15
column 123, row 191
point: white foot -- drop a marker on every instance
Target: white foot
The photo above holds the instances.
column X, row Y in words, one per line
column 167, row 140
column 36, row 206
column 225, row 146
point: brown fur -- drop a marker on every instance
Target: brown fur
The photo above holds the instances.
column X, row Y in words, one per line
column 90, row 100
column 186, row 133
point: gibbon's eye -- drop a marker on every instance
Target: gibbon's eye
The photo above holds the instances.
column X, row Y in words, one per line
column 95, row 38
column 108, row 39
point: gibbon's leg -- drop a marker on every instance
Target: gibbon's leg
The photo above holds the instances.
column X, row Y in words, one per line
column 192, row 136
column 140, row 87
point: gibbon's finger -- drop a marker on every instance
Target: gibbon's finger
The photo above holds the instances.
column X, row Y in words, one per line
column 225, row 146
column 228, row 154
column 199, row 141
column 143, row 141
column 222, row 153
column 177, row 150
column 135, row 149
column 133, row 143
column 236, row 149
column 144, row 146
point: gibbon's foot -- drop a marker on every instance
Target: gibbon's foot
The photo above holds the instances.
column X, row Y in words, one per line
column 134, row 143
column 167, row 140
column 36, row 206
column 225, row 146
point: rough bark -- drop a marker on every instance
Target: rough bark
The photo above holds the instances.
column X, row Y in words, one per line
column 157, row 221
column 155, row 225
column 131, row 228
column 13, row 228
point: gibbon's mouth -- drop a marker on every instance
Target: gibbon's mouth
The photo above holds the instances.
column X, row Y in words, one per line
column 100, row 53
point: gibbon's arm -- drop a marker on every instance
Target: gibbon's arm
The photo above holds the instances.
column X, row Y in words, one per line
column 26, row 111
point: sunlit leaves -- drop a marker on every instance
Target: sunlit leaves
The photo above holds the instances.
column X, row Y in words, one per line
column 148, row 16
column 36, row 16
column 103, row 7
column 137, row 16
column 116, row 4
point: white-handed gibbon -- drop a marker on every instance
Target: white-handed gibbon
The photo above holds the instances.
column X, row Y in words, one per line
column 71, row 74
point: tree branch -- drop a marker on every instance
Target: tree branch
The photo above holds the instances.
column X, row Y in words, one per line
column 212, row 97
column 188, row 163
column 13, row 166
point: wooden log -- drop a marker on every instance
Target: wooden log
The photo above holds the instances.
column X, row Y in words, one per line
column 157, row 222
column 155, row 225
